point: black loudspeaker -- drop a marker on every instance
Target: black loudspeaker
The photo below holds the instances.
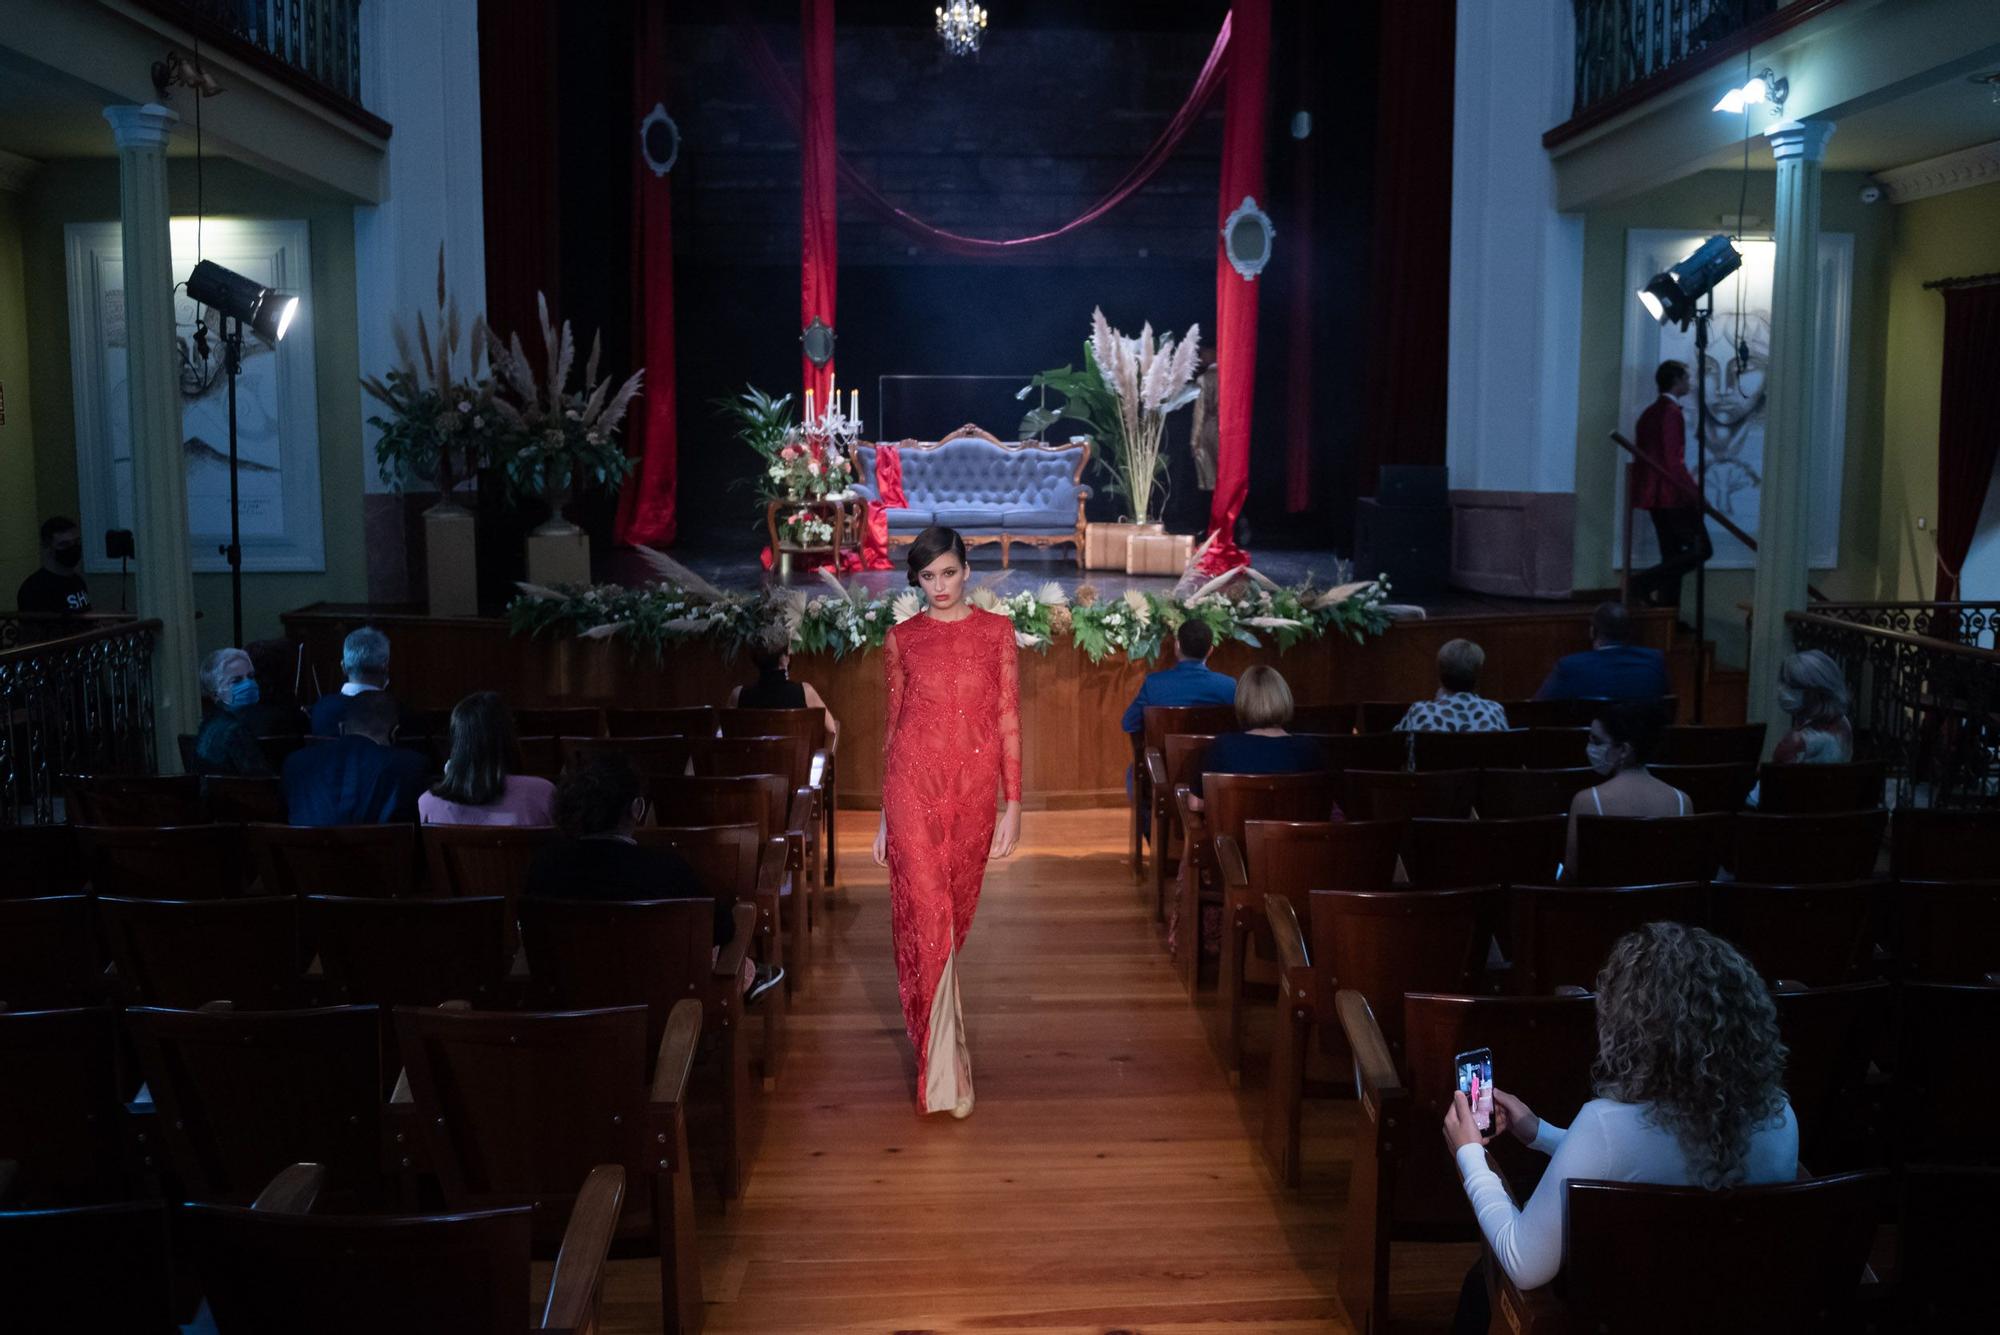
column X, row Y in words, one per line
column 1409, row 544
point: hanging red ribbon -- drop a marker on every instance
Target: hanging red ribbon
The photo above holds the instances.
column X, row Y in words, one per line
column 646, row 504
column 786, row 95
column 819, row 238
column 1235, row 295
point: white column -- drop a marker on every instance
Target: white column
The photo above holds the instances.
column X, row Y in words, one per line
column 1516, row 263
column 1780, row 587
column 159, row 473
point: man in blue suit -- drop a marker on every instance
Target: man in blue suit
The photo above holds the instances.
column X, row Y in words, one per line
column 1188, row 682
column 1613, row 668
column 358, row 778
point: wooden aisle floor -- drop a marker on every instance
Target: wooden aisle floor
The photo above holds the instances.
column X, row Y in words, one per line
column 1108, row 1181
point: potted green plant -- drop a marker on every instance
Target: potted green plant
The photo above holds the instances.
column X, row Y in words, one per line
column 438, row 427
column 559, row 438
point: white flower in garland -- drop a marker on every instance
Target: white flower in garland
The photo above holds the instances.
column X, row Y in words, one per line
column 987, row 600
column 906, row 605
column 1051, row 594
column 1142, row 611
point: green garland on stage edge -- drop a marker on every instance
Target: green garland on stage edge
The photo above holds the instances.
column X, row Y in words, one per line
column 1240, row 606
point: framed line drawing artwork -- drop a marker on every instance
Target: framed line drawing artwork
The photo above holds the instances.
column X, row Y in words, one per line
column 277, row 406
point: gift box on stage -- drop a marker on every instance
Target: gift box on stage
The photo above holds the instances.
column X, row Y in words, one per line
column 1104, row 545
column 1158, row 553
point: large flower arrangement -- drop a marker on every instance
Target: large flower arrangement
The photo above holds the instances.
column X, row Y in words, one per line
column 845, row 620
column 559, row 435
column 440, row 424
column 805, row 470
column 805, row 528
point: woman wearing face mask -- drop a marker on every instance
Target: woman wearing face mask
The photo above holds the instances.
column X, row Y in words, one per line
column 1622, row 739
column 226, row 743
column 953, row 745
column 1813, row 695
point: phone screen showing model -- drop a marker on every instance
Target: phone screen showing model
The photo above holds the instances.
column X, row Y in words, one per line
column 1475, row 1081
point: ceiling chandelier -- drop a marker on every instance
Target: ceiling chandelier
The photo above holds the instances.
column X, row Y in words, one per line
column 962, row 26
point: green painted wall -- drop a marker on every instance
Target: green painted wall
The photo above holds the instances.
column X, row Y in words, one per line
column 20, row 521
column 1699, row 203
column 1947, row 236
column 87, row 191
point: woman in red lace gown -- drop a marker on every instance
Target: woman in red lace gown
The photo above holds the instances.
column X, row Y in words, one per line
column 953, row 739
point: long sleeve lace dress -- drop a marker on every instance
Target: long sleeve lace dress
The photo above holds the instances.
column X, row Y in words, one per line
column 953, row 737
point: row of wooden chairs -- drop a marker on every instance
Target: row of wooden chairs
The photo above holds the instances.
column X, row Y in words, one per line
column 236, row 1096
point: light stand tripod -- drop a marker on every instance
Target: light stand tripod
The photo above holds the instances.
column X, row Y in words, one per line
column 232, row 365
column 1702, row 316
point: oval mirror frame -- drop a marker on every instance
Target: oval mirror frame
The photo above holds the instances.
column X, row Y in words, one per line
column 1246, row 239
column 817, row 339
column 659, row 140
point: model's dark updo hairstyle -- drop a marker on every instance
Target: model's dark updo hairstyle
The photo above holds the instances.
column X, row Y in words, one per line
column 932, row 543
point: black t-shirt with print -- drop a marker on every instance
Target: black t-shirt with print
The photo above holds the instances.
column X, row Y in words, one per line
column 46, row 592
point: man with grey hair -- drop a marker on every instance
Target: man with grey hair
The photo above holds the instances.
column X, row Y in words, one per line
column 364, row 657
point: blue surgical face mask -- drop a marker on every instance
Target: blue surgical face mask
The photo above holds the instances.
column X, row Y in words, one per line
column 243, row 694
column 1599, row 755
column 1790, row 700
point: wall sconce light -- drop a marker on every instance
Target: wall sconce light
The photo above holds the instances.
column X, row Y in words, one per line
column 1766, row 86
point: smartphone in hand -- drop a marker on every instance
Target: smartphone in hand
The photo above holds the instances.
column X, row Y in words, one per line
column 1475, row 1081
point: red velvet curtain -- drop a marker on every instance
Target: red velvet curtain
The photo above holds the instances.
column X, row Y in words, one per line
column 1236, row 296
column 819, row 234
column 1301, row 317
column 1405, row 388
column 1968, row 423
column 517, row 155
column 780, row 88
column 646, row 503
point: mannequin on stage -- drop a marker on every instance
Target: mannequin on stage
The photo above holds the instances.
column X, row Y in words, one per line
column 1671, row 500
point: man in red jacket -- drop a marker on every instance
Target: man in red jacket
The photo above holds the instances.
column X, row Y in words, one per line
column 1670, row 498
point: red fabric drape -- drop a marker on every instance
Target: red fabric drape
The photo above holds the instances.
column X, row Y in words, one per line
column 888, row 496
column 766, row 67
column 1968, row 424
column 517, row 155
column 646, row 503
column 1236, row 296
column 1410, row 306
column 819, row 226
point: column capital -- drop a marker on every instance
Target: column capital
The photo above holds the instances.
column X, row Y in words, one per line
column 149, row 126
column 1804, row 140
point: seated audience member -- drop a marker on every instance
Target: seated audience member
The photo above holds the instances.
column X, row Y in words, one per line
column 1190, row 681
column 1457, row 706
column 359, row 777
column 364, row 657
column 1623, row 737
column 1689, row 1090
column 1613, row 668
column 598, row 806
column 1813, row 693
column 54, row 588
column 1263, row 708
column 226, row 743
column 476, row 788
column 277, row 712
column 774, row 687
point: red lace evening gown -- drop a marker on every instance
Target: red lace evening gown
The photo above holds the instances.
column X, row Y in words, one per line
column 953, row 739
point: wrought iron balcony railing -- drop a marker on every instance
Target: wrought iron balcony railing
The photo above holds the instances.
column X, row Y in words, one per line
column 83, row 702
column 1620, row 43
column 1928, row 705
column 313, row 45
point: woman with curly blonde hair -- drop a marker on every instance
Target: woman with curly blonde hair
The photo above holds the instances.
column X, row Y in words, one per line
column 1689, row 1079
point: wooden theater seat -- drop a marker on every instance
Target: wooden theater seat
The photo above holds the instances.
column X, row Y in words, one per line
column 1562, row 933
column 1469, row 750
column 61, row 1118
column 1817, row 934
column 1942, row 844
column 1555, row 748
column 1157, row 723
column 654, row 954
column 807, row 728
column 1944, row 1087
column 1798, row 789
column 1394, row 795
column 480, row 860
column 1644, row 1258
column 655, row 758
column 87, row 1268
column 1362, row 750
column 241, row 1094
column 608, row 1095
column 1403, row 1185
column 1176, row 761
column 41, row 860
column 560, row 721
column 186, row 953
column 782, row 755
column 278, row 1266
column 242, row 798
column 164, row 862
column 1808, row 849
column 1948, row 931
column 1289, row 858
column 682, row 721
column 1444, row 853
column 1831, row 1036
column 1639, row 850
column 1710, row 787
column 1710, row 744
column 1510, row 793
column 377, row 860
column 133, row 799
column 49, row 954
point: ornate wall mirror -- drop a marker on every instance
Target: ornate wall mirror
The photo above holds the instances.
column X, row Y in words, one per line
column 1246, row 239
column 659, row 140
column 818, row 342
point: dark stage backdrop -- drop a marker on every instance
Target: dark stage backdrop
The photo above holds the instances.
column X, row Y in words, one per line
column 1060, row 103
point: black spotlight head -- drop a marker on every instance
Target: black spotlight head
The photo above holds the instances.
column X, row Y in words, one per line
column 267, row 311
column 1672, row 296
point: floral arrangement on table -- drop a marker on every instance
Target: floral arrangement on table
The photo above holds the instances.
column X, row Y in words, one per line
column 441, row 424
column 1124, row 393
column 797, row 462
column 1241, row 605
column 805, row 528
column 559, row 436
column 803, row 471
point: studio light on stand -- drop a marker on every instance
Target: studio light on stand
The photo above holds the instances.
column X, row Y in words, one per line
column 1675, row 297
column 239, row 301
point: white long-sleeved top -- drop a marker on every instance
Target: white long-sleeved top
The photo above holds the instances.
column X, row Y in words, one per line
column 1608, row 1142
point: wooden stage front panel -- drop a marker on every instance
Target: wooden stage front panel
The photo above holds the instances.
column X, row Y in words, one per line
column 1073, row 753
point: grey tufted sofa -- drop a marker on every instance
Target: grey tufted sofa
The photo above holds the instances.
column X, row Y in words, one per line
column 988, row 490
